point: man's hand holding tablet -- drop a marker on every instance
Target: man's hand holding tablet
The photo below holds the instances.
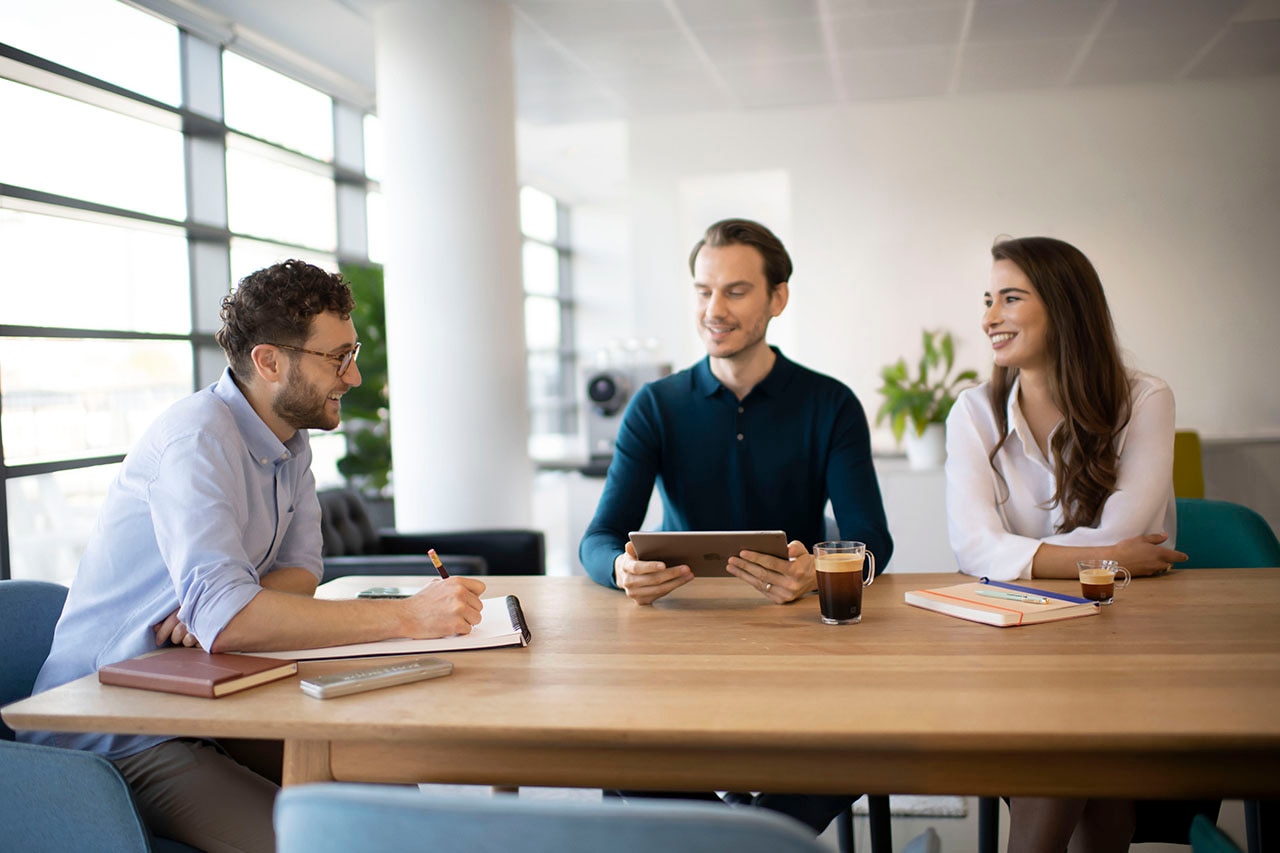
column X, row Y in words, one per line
column 655, row 563
column 645, row 581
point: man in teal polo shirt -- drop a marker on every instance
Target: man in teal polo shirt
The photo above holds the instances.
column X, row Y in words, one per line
column 743, row 440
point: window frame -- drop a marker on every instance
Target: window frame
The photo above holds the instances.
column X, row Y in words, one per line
column 564, row 405
column 205, row 227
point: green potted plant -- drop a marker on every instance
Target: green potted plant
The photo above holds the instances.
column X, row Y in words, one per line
column 923, row 398
column 367, row 465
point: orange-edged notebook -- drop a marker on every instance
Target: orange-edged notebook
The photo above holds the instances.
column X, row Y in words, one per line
column 1001, row 604
column 195, row 672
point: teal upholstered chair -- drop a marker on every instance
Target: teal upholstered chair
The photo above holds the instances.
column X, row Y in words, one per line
column 1207, row 838
column 55, row 799
column 1220, row 534
column 337, row 817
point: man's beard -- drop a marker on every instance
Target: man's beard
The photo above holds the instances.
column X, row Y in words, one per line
column 303, row 407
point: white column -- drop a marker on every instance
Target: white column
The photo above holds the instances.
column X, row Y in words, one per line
column 455, row 310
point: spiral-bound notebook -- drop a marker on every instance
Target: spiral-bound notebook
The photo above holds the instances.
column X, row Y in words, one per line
column 502, row 623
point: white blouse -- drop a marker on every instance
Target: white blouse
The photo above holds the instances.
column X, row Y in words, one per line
column 999, row 540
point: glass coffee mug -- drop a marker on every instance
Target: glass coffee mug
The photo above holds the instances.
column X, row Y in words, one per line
column 841, row 577
column 1098, row 579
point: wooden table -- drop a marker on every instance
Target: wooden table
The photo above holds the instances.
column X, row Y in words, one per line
column 1174, row 691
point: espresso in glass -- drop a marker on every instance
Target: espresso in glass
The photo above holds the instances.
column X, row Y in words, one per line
column 840, row 588
column 838, row 566
column 1098, row 584
column 1098, row 579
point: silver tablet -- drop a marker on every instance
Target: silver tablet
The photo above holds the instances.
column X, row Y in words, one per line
column 707, row 552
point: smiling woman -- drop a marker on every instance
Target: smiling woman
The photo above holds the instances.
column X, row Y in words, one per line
column 1064, row 456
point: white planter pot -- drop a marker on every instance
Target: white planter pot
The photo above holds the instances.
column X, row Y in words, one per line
column 928, row 450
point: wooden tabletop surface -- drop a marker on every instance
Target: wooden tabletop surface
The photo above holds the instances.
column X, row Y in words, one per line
column 1172, row 691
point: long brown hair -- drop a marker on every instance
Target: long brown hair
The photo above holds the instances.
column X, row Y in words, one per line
column 1088, row 380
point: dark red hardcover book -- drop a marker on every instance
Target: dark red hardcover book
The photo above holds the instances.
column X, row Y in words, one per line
column 195, row 672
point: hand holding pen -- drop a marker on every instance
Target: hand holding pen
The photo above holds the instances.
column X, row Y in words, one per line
column 435, row 561
column 441, row 609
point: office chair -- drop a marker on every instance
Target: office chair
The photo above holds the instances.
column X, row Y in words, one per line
column 339, row 817
column 353, row 546
column 56, row 799
column 1207, row 838
column 1221, row 534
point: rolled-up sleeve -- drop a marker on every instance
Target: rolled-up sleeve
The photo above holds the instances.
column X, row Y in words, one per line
column 200, row 531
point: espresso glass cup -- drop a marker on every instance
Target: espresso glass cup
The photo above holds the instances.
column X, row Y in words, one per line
column 1098, row 579
column 840, row 567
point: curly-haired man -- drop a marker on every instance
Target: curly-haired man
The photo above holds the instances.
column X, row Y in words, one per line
column 210, row 536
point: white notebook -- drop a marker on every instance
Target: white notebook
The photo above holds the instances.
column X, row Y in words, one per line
column 501, row 623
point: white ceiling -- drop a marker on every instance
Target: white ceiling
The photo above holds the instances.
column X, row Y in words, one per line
column 594, row 59
column 581, row 60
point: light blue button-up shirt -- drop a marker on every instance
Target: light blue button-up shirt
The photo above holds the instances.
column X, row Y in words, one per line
column 206, row 503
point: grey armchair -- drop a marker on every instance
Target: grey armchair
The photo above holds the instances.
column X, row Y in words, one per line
column 353, row 546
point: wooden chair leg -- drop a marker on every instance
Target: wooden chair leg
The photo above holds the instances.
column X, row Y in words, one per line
column 844, row 830
column 988, row 824
column 879, row 818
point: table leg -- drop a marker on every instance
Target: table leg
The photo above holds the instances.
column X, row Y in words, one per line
column 306, row 761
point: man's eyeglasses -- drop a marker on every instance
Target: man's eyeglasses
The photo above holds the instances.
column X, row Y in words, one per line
column 344, row 361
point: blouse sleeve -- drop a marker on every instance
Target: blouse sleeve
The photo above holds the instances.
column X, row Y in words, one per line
column 979, row 537
column 1144, row 479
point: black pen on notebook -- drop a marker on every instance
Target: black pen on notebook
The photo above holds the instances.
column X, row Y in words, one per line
column 435, row 560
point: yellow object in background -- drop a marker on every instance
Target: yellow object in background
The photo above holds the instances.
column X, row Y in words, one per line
column 1188, row 469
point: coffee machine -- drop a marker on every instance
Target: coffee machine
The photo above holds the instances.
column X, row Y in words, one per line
column 607, row 390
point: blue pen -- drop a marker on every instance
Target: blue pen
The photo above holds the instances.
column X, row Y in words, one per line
column 1013, row 596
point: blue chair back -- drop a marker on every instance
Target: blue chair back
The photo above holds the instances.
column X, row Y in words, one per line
column 336, row 818
column 66, row 799
column 1220, row 534
column 54, row 799
column 29, row 610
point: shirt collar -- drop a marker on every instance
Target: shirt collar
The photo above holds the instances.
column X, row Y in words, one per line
column 1018, row 424
column 705, row 382
column 258, row 437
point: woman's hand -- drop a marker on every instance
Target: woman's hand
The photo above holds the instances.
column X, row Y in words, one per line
column 1145, row 555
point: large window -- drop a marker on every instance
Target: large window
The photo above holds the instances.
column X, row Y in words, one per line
column 548, row 314
column 142, row 171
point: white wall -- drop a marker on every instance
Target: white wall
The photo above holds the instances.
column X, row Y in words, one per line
column 1173, row 192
